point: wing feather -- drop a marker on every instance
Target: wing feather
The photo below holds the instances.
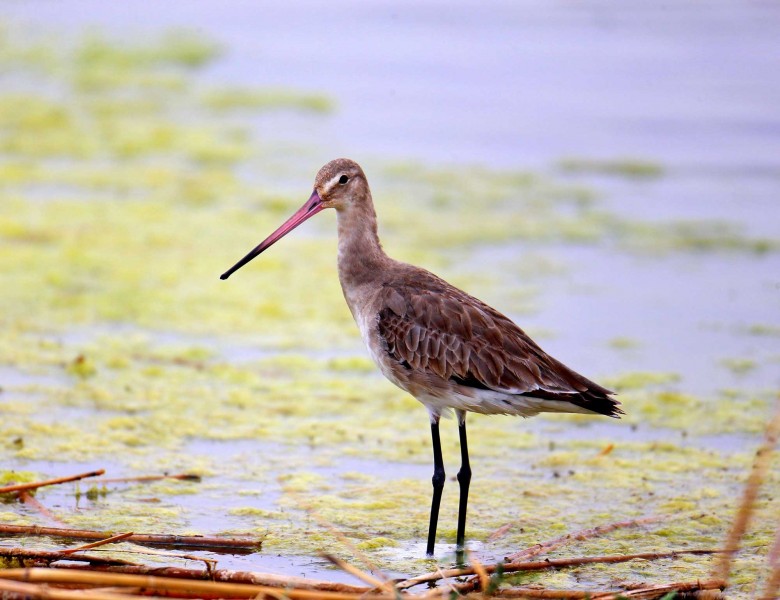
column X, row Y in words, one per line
column 438, row 329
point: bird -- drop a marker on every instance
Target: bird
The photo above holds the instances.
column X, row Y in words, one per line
column 449, row 350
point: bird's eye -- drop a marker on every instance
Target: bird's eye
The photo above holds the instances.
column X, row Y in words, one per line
column 343, row 179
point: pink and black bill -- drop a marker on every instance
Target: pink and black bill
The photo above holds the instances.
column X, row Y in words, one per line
column 312, row 206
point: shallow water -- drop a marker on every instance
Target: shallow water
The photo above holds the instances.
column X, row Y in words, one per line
column 516, row 85
column 654, row 130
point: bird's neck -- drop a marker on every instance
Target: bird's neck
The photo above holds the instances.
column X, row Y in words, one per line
column 360, row 253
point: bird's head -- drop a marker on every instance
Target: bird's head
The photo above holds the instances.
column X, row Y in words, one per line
column 339, row 184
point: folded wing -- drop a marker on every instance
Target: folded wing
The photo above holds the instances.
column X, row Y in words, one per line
column 431, row 326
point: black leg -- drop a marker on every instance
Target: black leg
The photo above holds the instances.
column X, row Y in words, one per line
column 438, row 484
column 464, row 478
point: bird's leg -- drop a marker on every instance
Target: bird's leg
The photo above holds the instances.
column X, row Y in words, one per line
column 464, row 478
column 438, row 483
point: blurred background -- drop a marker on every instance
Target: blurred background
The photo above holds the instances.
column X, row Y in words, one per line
column 518, row 85
column 605, row 173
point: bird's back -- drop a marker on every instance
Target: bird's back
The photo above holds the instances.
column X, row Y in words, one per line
column 449, row 349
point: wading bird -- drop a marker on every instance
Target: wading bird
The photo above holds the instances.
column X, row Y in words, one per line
column 443, row 346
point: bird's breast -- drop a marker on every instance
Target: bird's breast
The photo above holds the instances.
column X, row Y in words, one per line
column 366, row 315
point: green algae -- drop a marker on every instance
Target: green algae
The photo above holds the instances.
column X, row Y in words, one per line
column 125, row 195
column 377, row 542
column 267, row 99
column 640, row 380
column 624, row 343
column 694, row 236
column 14, row 477
column 632, row 168
column 173, row 48
column 761, row 329
column 739, row 365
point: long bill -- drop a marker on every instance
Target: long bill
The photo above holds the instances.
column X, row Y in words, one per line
column 312, row 206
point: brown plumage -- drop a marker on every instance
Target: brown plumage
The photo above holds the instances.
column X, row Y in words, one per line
column 443, row 346
column 431, row 327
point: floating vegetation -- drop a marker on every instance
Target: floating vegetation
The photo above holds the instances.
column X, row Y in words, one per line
column 179, row 48
column 761, row 329
column 267, row 99
column 625, row 167
column 624, row 343
column 739, row 365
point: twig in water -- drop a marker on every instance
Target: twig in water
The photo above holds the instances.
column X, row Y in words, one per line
column 388, row 585
column 210, row 563
column 28, row 499
column 162, row 585
column 225, row 576
column 644, row 593
column 484, row 578
column 758, row 472
column 500, row 532
column 53, row 555
column 606, row 450
column 773, row 558
column 461, row 589
column 28, row 591
column 651, row 592
column 18, row 487
column 108, row 540
column 772, row 585
column 559, row 563
column 348, row 568
column 581, row 535
column 524, row 592
column 182, row 541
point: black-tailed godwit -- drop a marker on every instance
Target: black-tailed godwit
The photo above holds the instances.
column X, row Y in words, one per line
column 446, row 348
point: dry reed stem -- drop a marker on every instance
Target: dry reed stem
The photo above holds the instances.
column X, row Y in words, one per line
column 500, row 532
column 54, row 555
column 277, row 594
column 190, row 541
column 533, row 592
column 27, row 591
column 772, row 584
column 722, row 567
column 606, row 450
column 322, row 522
column 479, row 569
column 119, row 590
column 651, row 592
column 224, row 576
column 559, row 563
column 443, row 593
column 355, row 572
column 388, row 585
column 449, row 588
column 210, row 563
column 542, row 593
column 581, row 535
column 773, row 558
column 170, row 584
column 644, row 593
column 18, row 487
column 27, row 498
column 108, row 540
